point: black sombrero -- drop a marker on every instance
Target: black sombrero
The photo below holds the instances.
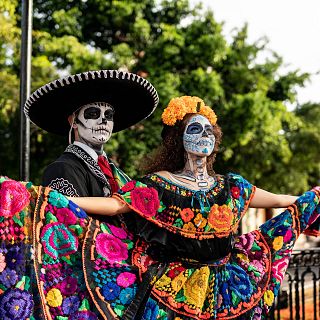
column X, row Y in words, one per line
column 132, row 97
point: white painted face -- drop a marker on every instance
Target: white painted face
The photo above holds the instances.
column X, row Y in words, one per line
column 95, row 123
column 198, row 137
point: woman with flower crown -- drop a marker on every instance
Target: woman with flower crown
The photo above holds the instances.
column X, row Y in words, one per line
column 176, row 256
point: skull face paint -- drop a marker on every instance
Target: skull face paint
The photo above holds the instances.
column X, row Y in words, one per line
column 95, row 123
column 198, row 137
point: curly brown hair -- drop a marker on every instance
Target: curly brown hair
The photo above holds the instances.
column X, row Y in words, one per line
column 170, row 155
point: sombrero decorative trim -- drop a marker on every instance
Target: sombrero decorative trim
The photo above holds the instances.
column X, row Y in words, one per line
column 133, row 98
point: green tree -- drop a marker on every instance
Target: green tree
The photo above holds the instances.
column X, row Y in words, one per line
column 182, row 51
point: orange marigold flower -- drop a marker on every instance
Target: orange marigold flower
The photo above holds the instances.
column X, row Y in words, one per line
column 179, row 107
column 220, row 218
column 186, row 214
column 200, row 221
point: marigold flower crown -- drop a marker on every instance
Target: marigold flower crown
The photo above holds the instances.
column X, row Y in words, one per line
column 179, row 107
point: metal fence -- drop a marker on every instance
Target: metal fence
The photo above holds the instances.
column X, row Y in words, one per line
column 299, row 296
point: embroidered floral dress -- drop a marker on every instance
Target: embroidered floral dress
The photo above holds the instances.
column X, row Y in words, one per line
column 176, row 255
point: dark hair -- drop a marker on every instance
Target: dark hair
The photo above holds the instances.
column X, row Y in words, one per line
column 170, row 155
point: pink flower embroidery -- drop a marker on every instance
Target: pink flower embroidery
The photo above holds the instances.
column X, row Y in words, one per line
column 129, row 186
column 126, row 279
column 279, row 267
column 2, row 262
column 288, row 236
column 145, row 200
column 68, row 286
column 245, row 242
column 66, row 216
column 118, row 232
column 13, row 198
column 111, row 248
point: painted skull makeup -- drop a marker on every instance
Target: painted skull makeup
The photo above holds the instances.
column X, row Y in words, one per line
column 95, row 123
column 198, row 137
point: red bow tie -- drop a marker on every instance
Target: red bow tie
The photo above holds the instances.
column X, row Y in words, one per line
column 106, row 169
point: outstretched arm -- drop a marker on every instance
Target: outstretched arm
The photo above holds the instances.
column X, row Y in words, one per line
column 265, row 199
column 101, row 205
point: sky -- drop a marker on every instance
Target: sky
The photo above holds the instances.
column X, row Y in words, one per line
column 292, row 27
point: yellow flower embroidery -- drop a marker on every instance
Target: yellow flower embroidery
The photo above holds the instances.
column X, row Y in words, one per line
column 277, row 243
column 54, row 298
column 196, row 287
column 178, row 282
column 162, row 282
column 243, row 257
column 200, row 221
column 268, row 297
column 179, row 107
column 189, row 227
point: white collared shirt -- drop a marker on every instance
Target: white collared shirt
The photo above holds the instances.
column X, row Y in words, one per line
column 89, row 150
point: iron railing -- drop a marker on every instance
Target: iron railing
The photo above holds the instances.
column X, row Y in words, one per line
column 299, row 296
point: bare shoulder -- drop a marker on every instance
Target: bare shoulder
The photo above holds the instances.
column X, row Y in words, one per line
column 164, row 174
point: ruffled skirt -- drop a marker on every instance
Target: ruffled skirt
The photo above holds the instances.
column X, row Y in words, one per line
column 56, row 263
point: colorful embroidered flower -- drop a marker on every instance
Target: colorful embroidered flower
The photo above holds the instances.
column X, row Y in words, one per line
column 257, row 313
column 111, row 248
column 200, row 221
column 13, row 198
column 58, row 240
column 15, row 304
column 277, row 243
column 220, row 218
column 175, row 272
column 57, row 199
column 68, row 286
column 189, row 227
column 180, row 106
column 83, row 315
column 151, row 310
column 126, row 279
column 288, row 236
column 186, row 214
column 66, row 216
column 2, row 262
column 235, row 191
column 127, row 295
column 77, row 210
column 129, row 186
column 279, row 268
column 145, row 200
column 178, row 282
column 239, row 282
column 8, row 277
column 14, row 258
column 268, row 297
column 245, row 242
column 118, row 232
column 70, row 305
column 163, row 281
column 110, row 291
column 196, row 287
column 54, row 297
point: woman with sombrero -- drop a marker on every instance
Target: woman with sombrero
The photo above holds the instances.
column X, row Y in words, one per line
column 177, row 254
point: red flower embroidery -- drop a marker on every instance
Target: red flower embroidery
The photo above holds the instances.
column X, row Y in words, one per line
column 175, row 272
column 186, row 214
column 129, row 186
column 145, row 200
column 235, row 191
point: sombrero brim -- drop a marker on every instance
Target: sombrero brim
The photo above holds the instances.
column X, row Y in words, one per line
column 132, row 97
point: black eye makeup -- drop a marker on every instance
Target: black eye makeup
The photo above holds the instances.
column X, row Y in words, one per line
column 194, row 128
column 91, row 113
column 208, row 129
column 109, row 114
